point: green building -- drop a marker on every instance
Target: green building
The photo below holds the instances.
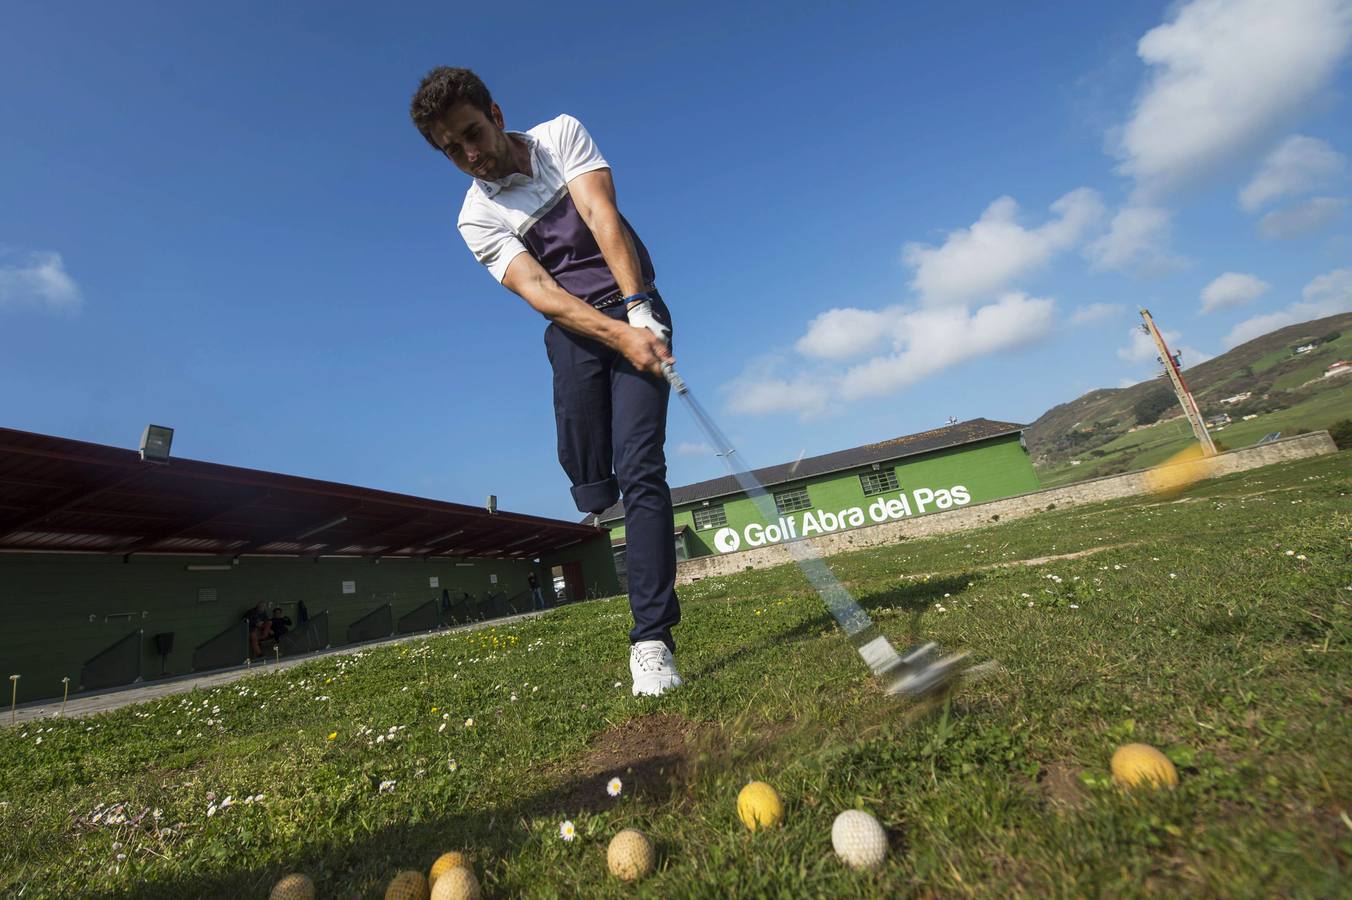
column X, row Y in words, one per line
column 964, row 463
column 118, row 567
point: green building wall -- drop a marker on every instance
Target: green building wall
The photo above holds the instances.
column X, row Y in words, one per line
column 989, row 470
column 62, row 609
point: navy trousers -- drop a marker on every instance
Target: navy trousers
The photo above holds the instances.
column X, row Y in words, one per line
column 612, row 426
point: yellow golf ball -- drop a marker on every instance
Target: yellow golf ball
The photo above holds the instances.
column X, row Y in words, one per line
column 294, row 886
column 456, row 883
column 1135, row 764
column 408, row 885
column 445, row 862
column 759, row 806
column 630, row 855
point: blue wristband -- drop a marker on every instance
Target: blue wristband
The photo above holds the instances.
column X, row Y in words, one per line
column 641, row 295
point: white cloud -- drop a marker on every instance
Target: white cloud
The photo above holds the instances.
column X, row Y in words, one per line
column 928, row 340
column 763, row 390
column 1225, row 75
column 1137, row 238
column 1141, row 347
column 1301, row 219
column 1299, row 165
column 977, row 263
column 1093, row 312
column 1232, row 289
column 37, row 279
column 921, row 341
column 1326, row 295
column 844, row 333
column 689, row 448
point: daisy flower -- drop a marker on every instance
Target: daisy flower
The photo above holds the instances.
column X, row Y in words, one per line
column 614, row 786
column 567, row 831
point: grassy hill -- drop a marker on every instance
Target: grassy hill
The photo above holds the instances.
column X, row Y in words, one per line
column 1098, row 433
column 1228, row 650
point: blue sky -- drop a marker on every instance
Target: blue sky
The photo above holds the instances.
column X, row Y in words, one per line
column 865, row 217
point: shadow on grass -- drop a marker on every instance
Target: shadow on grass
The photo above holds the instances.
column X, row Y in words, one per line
column 916, row 598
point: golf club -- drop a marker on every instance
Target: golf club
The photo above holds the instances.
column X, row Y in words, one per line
column 921, row 670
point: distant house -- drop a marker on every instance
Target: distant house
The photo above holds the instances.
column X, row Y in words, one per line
column 1219, row 420
column 1250, row 417
column 1341, row 367
column 1238, row 397
column 1306, row 348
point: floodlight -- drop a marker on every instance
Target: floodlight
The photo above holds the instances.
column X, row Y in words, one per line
column 155, row 442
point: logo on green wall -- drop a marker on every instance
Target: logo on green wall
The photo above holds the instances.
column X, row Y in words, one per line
column 883, row 509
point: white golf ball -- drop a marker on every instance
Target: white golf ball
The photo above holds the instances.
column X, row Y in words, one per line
column 858, row 839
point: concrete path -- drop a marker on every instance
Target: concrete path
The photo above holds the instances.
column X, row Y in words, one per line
column 88, row 704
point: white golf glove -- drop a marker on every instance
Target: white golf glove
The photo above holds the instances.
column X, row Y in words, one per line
column 641, row 316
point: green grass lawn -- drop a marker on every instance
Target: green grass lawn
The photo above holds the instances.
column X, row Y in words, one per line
column 1216, row 626
column 1151, row 446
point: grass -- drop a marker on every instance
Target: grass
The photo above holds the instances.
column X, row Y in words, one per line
column 1150, row 446
column 1217, row 627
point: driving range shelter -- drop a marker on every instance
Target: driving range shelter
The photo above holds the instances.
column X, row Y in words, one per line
column 912, row 475
column 114, row 568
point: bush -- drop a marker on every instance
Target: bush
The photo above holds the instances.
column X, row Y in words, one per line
column 1341, row 432
column 1330, row 337
column 1150, row 407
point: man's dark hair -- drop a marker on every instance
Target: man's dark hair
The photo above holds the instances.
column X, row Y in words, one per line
column 441, row 90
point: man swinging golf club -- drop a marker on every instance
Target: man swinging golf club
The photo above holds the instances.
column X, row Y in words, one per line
column 540, row 215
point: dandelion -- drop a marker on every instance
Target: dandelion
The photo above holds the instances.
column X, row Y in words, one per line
column 614, row 786
column 567, row 831
column 333, row 736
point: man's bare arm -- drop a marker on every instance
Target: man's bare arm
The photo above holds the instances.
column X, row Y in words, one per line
column 529, row 280
column 593, row 194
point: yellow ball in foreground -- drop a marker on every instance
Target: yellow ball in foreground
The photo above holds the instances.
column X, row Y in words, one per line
column 631, row 855
column 457, row 883
column 1178, row 472
column 408, row 885
column 1136, row 764
column 445, row 862
column 295, row 886
column 759, row 806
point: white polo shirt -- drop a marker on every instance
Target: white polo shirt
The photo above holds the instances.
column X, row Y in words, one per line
column 535, row 214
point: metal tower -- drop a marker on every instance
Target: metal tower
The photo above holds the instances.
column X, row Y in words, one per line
column 1175, row 373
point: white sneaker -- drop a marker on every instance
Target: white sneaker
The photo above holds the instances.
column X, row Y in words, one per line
column 653, row 668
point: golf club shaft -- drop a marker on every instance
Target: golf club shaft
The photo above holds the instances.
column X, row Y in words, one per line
column 876, row 650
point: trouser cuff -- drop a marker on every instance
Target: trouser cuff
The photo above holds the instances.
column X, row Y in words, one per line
column 596, row 496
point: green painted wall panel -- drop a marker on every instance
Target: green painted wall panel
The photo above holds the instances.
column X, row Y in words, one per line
column 989, row 470
column 46, row 601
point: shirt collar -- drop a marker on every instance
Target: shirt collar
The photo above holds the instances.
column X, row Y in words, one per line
column 492, row 188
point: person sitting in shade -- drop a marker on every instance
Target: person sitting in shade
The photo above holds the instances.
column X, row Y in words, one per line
column 281, row 623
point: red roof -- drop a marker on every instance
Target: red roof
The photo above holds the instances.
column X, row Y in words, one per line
column 61, row 495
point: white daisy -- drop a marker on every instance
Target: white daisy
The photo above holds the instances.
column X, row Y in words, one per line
column 567, row 831
column 614, row 786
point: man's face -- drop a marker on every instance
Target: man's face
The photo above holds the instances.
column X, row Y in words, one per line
column 476, row 143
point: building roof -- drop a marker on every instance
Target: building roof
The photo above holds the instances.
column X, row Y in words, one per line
column 61, row 495
column 884, row 451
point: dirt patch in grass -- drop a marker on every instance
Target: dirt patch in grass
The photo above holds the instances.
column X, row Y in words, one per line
column 1060, row 784
column 652, row 755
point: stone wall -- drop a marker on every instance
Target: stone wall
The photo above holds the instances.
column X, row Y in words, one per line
column 1097, row 490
